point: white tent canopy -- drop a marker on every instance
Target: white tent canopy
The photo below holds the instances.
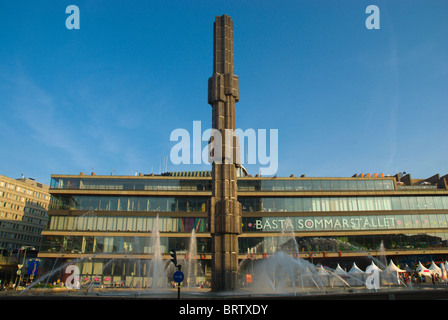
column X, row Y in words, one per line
column 339, row 270
column 356, row 276
column 372, row 267
column 390, row 274
column 393, row 268
column 422, row 270
column 307, row 278
column 324, row 275
column 341, row 277
column 435, row 269
column 321, row 271
column 355, row 269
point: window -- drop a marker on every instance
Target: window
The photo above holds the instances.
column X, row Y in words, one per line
column 307, row 185
column 84, row 203
column 361, row 184
column 316, row 185
column 395, row 203
column 130, row 224
column 132, row 204
column 60, row 223
column 268, row 204
column 343, row 185
column 100, row 223
column 360, row 203
column 370, row 184
column 121, row 224
column 152, row 204
column 182, row 204
column 413, row 205
column 142, row 204
column 298, row 204
column 279, row 204
column 289, row 185
column 445, row 202
column 298, row 185
column 352, row 185
column 94, row 203
column 267, row 185
column 122, row 203
column 162, row 204
column 387, row 203
column 404, row 202
column 335, row 185
column 141, row 224
column 113, row 203
column 429, row 202
column 438, row 203
column 421, row 203
column 325, row 185
column 110, row 223
column 279, row 185
column 90, row 223
column 104, row 203
column 379, row 184
column 388, row 185
column 289, row 204
column 307, row 204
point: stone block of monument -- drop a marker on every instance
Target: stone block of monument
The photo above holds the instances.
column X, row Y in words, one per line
column 224, row 210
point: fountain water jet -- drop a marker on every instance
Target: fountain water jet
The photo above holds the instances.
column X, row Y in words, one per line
column 192, row 253
column 157, row 266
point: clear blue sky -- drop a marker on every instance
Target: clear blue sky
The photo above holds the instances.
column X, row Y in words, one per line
column 345, row 99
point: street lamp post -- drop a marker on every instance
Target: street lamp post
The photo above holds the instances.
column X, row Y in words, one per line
column 20, row 266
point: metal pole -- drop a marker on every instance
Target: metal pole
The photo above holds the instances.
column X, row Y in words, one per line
column 178, row 284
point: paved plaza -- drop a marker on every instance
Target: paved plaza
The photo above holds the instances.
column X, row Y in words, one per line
column 426, row 291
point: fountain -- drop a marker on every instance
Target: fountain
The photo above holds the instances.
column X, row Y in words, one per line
column 274, row 267
column 192, row 253
column 284, row 272
column 382, row 256
column 157, row 265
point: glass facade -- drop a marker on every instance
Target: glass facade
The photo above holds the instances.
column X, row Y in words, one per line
column 123, row 223
column 354, row 184
column 356, row 215
column 128, row 203
column 345, row 223
column 151, row 184
column 136, row 183
column 250, row 204
column 118, row 244
column 378, row 203
column 343, row 244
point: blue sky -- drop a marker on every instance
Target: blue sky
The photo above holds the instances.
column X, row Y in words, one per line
column 106, row 97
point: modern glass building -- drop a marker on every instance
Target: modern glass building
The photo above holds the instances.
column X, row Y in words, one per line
column 104, row 224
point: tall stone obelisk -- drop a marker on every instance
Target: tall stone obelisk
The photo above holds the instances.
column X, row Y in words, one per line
column 224, row 209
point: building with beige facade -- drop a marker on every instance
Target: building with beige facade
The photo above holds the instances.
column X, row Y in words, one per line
column 23, row 212
column 23, row 215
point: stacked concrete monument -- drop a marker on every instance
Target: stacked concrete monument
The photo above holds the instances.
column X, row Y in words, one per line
column 224, row 209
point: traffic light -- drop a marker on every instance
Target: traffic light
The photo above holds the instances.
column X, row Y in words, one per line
column 173, row 257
